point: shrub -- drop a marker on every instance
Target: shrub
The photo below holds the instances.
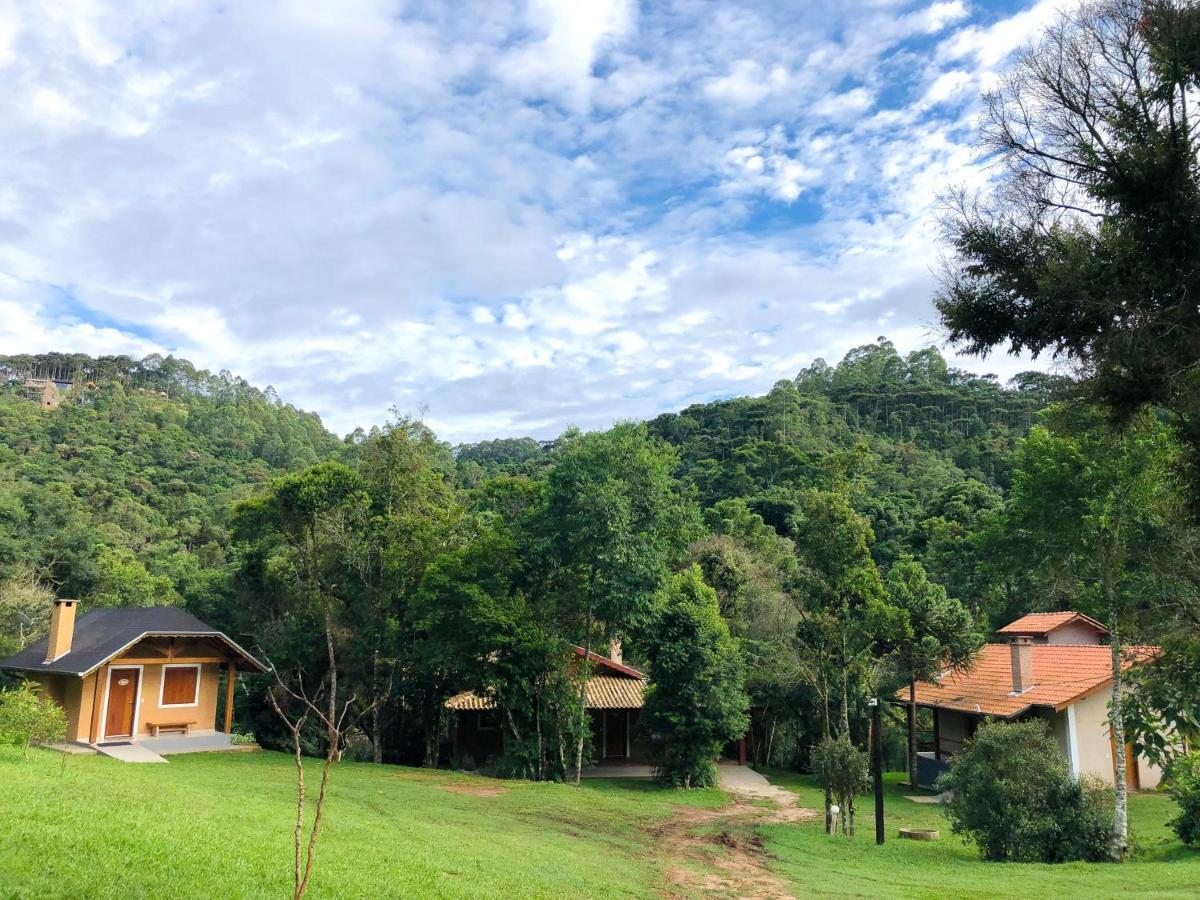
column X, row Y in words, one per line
column 843, row 771
column 1183, row 784
column 26, row 718
column 1011, row 793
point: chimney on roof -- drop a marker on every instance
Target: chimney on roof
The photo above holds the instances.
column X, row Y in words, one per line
column 1022, row 663
column 614, row 651
column 62, row 629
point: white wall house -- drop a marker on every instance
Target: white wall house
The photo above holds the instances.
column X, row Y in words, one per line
column 1055, row 666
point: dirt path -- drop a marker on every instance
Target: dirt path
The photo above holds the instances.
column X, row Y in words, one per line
column 725, row 842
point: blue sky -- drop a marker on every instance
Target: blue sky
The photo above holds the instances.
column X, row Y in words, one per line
column 516, row 218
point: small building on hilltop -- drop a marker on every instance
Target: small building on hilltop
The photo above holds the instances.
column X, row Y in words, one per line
column 1054, row 666
column 129, row 675
column 615, row 696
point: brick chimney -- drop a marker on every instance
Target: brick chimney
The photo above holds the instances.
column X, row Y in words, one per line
column 614, row 651
column 1022, row 663
column 62, row 629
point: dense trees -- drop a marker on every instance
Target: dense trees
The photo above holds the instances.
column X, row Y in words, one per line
column 610, row 525
column 1088, row 245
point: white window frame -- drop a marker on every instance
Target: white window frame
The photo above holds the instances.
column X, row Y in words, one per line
column 162, row 685
column 137, row 706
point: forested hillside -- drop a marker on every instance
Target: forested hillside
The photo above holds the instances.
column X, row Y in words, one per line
column 791, row 530
column 922, row 450
column 122, row 494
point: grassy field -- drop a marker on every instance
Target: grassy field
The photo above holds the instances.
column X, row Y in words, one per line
column 217, row 825
column 820, row 866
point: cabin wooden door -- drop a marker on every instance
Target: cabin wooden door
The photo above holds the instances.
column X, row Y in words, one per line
column 615, row 733
column 122, row 702
column 1133, row 777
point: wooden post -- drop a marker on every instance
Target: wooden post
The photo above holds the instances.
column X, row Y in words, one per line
column 230, row 680
column 877, row 764
column 937, row 736
column 742, row 751
column 94, row 734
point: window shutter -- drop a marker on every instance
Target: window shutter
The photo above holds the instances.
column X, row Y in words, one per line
column 179, row 685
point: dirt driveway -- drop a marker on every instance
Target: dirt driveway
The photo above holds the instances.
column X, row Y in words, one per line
column 722, row 846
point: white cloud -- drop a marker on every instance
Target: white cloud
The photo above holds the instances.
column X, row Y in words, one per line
column 523, row 216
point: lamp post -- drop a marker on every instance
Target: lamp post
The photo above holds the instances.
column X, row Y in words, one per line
column 877, row 763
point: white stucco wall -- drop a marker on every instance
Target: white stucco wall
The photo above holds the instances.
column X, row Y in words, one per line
column 1095, row 745
column 1073, row 633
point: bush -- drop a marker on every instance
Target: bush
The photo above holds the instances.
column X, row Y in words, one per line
column 1183, row 785
column 1011, row 793
column 843, row 771
column 26, row 718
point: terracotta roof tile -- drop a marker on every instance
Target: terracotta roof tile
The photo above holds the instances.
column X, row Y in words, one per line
column 1062, row 673
column 1044, row 623
column 603, row 692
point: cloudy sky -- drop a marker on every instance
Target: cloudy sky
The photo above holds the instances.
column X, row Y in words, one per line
column 517, row 216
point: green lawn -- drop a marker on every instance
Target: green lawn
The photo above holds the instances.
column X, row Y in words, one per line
column 218, row 825
column 836, row 867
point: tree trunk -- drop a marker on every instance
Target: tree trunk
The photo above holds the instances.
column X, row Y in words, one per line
column 845, row 690
column 825, row 736
column 377, row 710
column 912, row 733
column 541, row 752
column 1120, row 838
column 585, row 674
column 376, row 735
column 297, row 881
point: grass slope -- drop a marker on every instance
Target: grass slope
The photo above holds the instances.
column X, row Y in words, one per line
column 835, row 867
column 219, row 825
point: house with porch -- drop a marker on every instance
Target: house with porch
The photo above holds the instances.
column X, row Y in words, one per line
column 614, row 700
column 1052, row 666
column 133, row 676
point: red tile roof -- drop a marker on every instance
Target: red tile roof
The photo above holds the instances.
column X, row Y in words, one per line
column 605, row 663
column 1044, row 623
column 1062, row 673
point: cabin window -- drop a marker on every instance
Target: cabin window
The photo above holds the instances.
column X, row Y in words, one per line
column 180, row 686
column 489, row 720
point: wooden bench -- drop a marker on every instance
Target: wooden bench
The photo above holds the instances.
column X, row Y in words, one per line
column 156, row 727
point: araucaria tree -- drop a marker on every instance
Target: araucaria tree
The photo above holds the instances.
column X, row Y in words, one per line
column 934, row 632
column 1088, row 245
column 697, row 701
column 610, row 525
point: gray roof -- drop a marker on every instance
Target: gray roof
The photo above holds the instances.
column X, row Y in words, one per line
column 103, row 633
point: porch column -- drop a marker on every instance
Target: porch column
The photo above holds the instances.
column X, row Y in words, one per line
column 628, row 732
column 1072, row 742
column 937, row 736
column 230, row 680
column 97, row 702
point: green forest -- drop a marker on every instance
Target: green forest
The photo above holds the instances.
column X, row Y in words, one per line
column 840, row 503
